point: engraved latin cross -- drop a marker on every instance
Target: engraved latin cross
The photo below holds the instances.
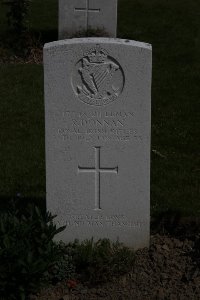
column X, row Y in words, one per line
column 87, row 10
column 97, row 170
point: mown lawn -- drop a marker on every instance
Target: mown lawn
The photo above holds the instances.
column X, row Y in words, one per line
column 22, row 168
column 173, row 29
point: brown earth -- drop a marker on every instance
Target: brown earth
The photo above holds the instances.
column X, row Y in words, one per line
column 34, row 56
column 169, row 269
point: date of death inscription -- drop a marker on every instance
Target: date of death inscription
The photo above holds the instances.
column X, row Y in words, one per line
column 98, row 125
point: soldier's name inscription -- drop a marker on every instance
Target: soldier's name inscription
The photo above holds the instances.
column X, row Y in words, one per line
column 100, row 125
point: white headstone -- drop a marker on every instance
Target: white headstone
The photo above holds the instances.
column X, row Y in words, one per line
column 97, row 102
column 78, row 15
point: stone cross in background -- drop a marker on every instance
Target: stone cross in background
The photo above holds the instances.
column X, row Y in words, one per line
column 98, row 116
column 86, row 10
column 77, row 15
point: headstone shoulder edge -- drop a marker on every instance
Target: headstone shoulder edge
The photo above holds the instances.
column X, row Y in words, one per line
column 97, row 41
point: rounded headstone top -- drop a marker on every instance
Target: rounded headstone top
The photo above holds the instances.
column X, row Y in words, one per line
column 100, row 40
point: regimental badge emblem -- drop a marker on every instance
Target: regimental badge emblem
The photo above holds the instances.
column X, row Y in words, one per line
column 98, row 79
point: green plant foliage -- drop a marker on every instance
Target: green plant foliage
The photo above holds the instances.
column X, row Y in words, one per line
column 98, row 32
column 64, row 268
column 196, row 252
column 101, row 261
column 26, row 251
column 17, row 15
column 18, row 37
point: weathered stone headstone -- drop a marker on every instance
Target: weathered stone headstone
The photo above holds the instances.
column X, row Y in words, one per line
column 78, row 15
column 97, row 102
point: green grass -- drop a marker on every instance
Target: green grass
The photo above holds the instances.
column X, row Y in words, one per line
column 22, row 168
column 173, row 29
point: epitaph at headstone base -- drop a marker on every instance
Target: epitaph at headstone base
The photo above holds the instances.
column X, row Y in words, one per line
column 97, row 103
